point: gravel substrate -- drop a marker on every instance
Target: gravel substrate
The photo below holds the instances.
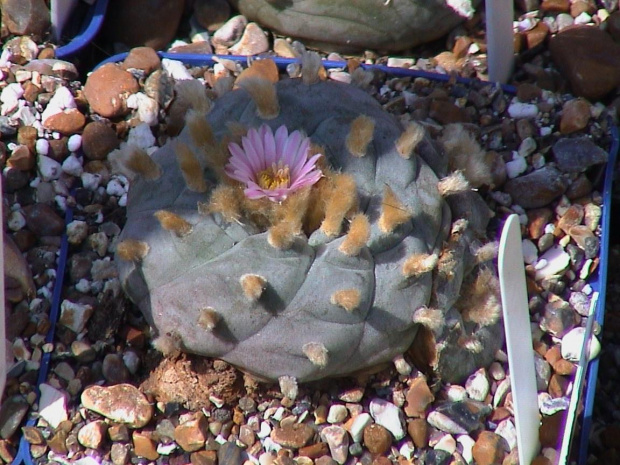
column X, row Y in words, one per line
column 111, row 398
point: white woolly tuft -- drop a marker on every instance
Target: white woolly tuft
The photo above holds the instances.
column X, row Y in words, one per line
column 455, row 183
column 431, row 318
column 288, row 386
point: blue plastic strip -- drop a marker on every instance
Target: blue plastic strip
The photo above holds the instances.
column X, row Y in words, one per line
column 92, row 25
column 599, row 283
column 23, row 453
column 201, row 60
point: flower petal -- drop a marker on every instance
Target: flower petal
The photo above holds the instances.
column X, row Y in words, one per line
column 308, row 171
column 281, row 137
column 301, row 157
column 238, row 159
column 251, row 152
column 289, row 151
column 269, row 145
column 257, row 143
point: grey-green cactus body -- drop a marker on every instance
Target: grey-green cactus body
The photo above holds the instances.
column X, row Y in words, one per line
column 294, row 328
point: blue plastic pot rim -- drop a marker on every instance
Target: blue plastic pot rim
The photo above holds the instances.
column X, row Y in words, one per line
column 91, row 26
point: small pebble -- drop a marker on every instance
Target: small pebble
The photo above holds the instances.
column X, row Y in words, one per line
column 337, row 439
column 337, row 414
column 52, row 405
column 572, row 345
column 478, row 386
column 389, row 416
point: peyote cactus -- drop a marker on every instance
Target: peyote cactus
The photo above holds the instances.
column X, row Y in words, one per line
column 298, row 231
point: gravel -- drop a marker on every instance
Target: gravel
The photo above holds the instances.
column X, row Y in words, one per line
column 204, row 411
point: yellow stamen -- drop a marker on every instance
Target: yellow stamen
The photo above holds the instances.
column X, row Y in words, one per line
column 274, row 177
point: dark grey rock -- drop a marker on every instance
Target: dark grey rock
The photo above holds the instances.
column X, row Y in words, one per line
column 574, row 155
column 558, row 318
column 230, row 454
column 11, row 415
column 340, row 26
column 538, row 188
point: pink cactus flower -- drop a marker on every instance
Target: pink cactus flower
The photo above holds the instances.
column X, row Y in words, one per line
column 272, row 166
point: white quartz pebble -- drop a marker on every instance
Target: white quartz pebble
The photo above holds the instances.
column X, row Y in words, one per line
column 478, row 386
column 90, row 181
column 516, row 166
column 530, row 251
column 49, row 169
column 74, row 143
column 556, row 260
column 507, row 430
column 16, row 220
column 360, row 422
column 72, row 165
column 467, row 444
column 522, row 110
column 42, row 146
column 447, row 443
column 337, row 413
column 389, row 416
column 572, row 343
column 176, row 69
column 52, row 405
column 61, row 100
column 141, row 136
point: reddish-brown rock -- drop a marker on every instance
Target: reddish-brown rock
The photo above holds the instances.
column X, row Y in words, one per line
column 26, row 17
column 377, row 439
column 314, row 451
column 489, row 449
column 537, row 220
column 192, row 434
column 107, row 89
column 98, row 139
column 582, row 6
column 446, row 112
column 589, row 58
column 211, row 14
column 143, row 58
column 292, row 436
column 536, row 35
column 555, row 6
column 66, row 122
column 550, row 429
column 144, row 446
column 43, row 220
column 613, row 25
column 21, row 159
column 418, row 431
column 575, row 115
column 418, row 397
